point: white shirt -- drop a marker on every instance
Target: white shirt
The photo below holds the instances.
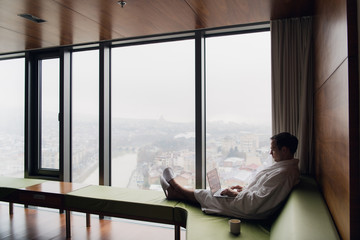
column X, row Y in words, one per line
column 260, row 198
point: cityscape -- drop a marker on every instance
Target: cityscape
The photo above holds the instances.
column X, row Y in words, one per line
column 141, row 149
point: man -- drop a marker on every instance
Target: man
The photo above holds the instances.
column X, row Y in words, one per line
column 260, row 198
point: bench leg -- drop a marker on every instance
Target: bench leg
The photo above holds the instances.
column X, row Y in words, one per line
column 88, row 223
column 68, row 225
column 11, row 208
column 177, row 232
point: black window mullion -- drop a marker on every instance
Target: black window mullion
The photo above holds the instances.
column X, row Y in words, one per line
column 31, row 119
column 65, row 116
column 200, row 167
column 104, row 117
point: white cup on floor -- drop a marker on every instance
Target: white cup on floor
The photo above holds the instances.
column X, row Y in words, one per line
column 235, row 226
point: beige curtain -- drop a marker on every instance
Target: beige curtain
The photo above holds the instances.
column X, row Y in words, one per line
column 292, row 84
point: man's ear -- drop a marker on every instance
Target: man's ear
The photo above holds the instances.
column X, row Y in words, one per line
column 284, row 149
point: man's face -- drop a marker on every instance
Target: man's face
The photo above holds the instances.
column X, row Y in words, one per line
column 275, row 152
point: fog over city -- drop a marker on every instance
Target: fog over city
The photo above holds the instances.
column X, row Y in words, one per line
column 153, row 110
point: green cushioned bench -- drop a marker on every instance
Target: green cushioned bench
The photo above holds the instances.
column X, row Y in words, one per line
column 304, row 215
column 135, row 204
column 10, row 184
column 128, row 203
column 202, row 226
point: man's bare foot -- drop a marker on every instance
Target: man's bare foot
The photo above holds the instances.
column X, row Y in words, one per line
column 172, row 194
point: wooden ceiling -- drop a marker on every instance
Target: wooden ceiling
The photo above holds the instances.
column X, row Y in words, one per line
column 71, row 22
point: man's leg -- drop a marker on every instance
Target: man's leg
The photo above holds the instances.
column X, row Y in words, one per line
column 176, row 191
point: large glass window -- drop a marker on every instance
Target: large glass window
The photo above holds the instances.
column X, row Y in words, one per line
column 12, row 117
column 50, row 92
column 238, row 105
column 85, row 117
column 153, row 113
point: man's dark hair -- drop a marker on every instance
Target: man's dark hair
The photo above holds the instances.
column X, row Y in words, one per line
column 285, row 139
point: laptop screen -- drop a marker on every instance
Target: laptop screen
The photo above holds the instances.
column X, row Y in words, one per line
column 214, row 181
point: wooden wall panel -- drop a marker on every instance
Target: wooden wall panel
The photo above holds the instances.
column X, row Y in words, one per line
column 336, row 111
column 330, row 38
column 291, row 8
column 332, row 146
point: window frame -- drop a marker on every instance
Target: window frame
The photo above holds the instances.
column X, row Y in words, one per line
column 33, row 115
column 32, row 107
column 11, row 57
column 261, row 27
column 166, row 39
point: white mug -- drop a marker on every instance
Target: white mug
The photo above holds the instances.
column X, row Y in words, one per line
column 235, row 226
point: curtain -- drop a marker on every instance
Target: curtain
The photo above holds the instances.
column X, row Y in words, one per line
column 292, row 84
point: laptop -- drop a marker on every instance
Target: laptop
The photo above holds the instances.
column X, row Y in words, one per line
column 214, row 183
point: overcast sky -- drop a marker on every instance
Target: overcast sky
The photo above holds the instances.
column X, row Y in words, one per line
column 158, row 80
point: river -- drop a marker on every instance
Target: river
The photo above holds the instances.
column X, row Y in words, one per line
column 122, row 168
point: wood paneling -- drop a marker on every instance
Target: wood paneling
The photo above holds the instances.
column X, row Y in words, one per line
column 84, row 21
column 336, row 112
column 137, row 18
column 330, row 38
column 63, row 26
column 291, row 9
column 332, row 146
column 214, row 13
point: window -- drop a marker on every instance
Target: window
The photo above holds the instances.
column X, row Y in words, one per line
column 238, row 105
column 85, row 117
column 153, row 113
column 155, row 91
column 50, row 104
column 12, row 117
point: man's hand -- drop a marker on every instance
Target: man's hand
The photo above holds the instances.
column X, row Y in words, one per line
column 232, row 191
column 237, row 188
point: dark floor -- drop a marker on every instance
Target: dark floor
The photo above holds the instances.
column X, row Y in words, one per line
column 43, row 223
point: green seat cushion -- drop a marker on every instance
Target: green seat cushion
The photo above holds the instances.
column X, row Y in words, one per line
column 305, row 215
column 203, row 226
column 8, row 185
column 114, row 201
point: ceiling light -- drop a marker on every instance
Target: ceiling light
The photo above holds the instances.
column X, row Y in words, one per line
column 121, row 3
column 31, row 17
